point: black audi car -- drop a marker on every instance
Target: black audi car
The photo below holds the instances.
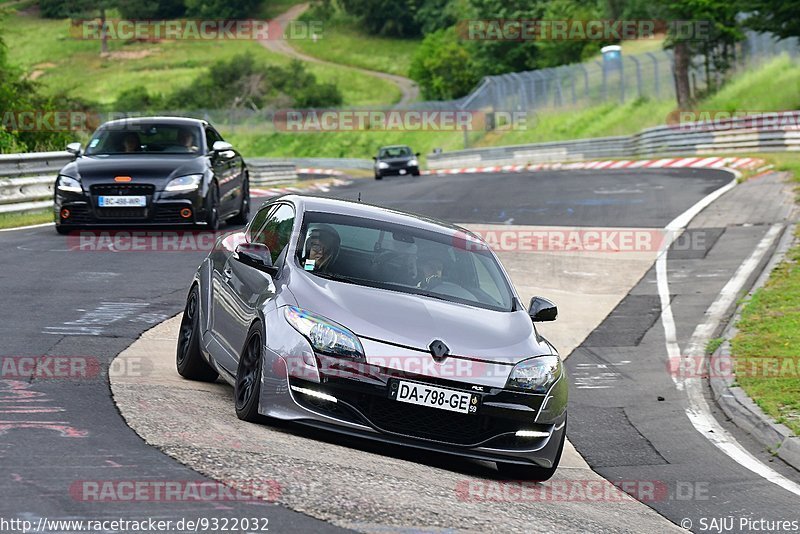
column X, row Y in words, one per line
column 396, row 160
column 152, row 171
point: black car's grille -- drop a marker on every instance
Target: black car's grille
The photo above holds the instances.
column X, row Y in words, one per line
column 170, row 214
column 432, row 423
column 397, row 164
column 78, row 214
column 122, row 189
column 122, row 213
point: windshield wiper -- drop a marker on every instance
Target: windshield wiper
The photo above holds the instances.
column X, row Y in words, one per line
column 339, row 277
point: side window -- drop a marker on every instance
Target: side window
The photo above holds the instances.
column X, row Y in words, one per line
column 258, row 222
column 277, row 230
column 212, row 137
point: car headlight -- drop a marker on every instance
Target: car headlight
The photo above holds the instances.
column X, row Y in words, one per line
column 535, row 375
column 383, row 165
column 413, row 163
column 185, row 183
column 325, row 336
column 69, row 185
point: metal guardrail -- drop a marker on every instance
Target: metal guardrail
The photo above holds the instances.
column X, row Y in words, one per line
column 265, row 172
column 27, row 180
column 690, row 139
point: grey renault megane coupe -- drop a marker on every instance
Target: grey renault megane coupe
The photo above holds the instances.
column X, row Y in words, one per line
column 380, row 324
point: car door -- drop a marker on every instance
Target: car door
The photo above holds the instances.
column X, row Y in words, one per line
column 243, row 288
column 227, row 168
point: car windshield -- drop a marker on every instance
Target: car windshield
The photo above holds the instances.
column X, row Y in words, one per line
column 403, row 258
column 146, row 138
column 395, row 152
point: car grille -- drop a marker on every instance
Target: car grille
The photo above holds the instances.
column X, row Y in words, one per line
column 123, row 189
column 121, row 213
column 170, row 214
column 79, row 214
column 431, row 423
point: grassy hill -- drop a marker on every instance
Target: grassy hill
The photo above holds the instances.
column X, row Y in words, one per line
column 62, row 63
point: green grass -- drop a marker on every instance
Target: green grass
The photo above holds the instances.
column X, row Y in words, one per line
column 13, row 220
column 73, row 66
column 344, row 43
column 774, row 86
column 351, row 144
column 769, row 331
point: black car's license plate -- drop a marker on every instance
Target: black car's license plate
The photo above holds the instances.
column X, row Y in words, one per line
column 434, row 397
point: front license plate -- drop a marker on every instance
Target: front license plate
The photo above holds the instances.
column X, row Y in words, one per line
column 124, row 202
column 435, row 397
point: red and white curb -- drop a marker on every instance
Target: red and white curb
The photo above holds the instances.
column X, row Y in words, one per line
column 313, row 188
column 664, row 163
column 324, row 172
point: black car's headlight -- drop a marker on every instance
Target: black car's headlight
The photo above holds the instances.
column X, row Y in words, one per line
column 184, row 183
column 325, row 336
column 413, row 163
column 535, row 375
column 68, row 185
column 383, row 165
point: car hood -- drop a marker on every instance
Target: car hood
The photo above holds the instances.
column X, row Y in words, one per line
column 402, row 159
column 155, row 170
column 415, row 321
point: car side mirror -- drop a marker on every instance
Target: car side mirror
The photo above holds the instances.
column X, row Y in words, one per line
column 255, row 255
column 221, row 146
column 417, row 154
column 374, row 158
column 74, row 148
column 542, row 310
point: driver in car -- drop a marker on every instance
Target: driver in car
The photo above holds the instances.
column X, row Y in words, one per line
column 322, row 248
column 429, row 271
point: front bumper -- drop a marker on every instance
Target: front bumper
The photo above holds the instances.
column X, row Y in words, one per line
column 398, row 170
column 162, row 208
column 363, row 407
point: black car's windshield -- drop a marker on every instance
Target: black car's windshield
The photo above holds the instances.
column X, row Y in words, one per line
column 145, row 138
column 395, row 152
column 402, row 258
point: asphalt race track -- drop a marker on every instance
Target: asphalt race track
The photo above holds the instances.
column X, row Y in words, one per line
column 56, row 434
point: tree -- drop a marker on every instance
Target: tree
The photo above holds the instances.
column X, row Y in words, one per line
column 443, row 66
column 395, row 18
column 221, row 9
column 775, row 16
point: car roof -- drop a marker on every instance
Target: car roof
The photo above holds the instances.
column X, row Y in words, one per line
column 394, row 146
column 180, row 121
column 362, row 209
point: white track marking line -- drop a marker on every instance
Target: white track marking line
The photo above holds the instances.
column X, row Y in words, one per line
column 698, row 411
column 26, row 227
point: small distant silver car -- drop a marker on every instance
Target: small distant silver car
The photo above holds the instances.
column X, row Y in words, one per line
column 381, row 324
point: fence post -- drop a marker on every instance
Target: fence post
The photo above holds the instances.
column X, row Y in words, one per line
column 638, row 75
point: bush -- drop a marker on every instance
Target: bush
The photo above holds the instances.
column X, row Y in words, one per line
column 443, row 66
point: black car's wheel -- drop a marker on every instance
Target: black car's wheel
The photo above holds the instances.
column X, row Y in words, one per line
column 525, row 472
column 244, row 208
column 63, row 230
column 212, row 208
column 378, row 176
column 188, row 359
column 247, row 390
column 415, row 173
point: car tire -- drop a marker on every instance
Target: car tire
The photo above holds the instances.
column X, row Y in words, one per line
column 414, row 173
column 188, row 357
column 378, row 176
column 63, row 230
column 244, row 209
column 212, row 208
column 530, row 472
column 247, row 389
